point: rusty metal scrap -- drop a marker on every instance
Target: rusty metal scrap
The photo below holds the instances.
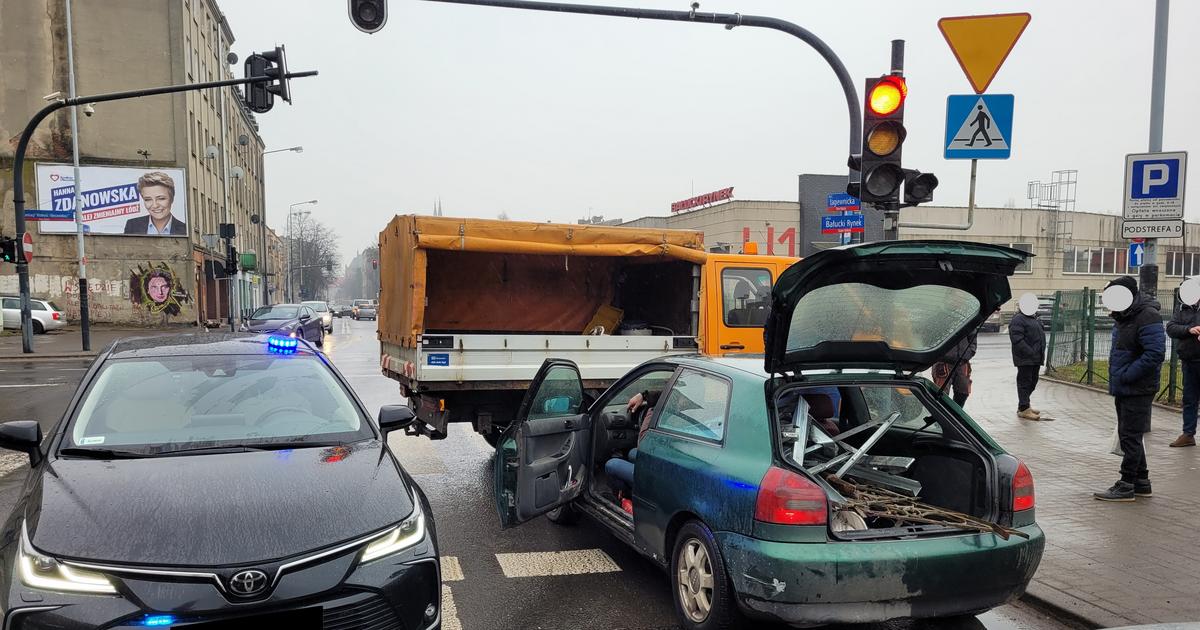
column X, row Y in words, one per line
column 871, row 501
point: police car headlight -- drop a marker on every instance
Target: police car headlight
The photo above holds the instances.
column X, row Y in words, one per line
column 408, row 533
column 46, row 573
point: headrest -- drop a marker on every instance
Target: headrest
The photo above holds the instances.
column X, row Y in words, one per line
column 820, row 405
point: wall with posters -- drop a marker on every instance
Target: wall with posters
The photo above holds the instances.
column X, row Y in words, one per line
column 116, row 200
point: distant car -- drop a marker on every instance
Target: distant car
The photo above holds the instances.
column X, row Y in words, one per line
column 217, row 481
column 293, row 320
column 46, row 314
column 992, row 323
column 357, row 304
column 367, row 312
column 323, row 311
column 340, row 309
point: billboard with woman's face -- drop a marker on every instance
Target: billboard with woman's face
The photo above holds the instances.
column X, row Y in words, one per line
column 116, row 200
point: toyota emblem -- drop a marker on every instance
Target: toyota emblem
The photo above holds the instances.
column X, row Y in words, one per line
column 247, row 583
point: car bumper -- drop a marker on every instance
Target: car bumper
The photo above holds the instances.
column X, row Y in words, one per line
column 387, row 593
column 872, row 581
column 53, row 324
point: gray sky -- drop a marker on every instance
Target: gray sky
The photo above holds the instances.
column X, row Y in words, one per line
column 554, row 117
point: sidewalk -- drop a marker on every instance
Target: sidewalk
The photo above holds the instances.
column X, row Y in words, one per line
column 1109, row 563
column 68, row 342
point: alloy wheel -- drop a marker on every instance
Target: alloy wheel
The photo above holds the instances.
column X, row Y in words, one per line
column 695, row 580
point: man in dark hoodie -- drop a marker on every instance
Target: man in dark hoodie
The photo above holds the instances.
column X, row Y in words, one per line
column 1134, row 364
column 1185, row 330
column 1028, row 353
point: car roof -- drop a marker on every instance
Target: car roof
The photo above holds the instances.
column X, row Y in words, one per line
column 748, row 364
column 193, row 344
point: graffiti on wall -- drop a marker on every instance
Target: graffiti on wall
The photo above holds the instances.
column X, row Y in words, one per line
column 157, row 289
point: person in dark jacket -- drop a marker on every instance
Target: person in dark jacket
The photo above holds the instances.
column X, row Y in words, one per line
column 1134, row 365
column 955, row 367
column 1028, row 352
column 1185, row 330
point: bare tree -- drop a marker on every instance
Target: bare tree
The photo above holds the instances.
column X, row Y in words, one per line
column 314, row 258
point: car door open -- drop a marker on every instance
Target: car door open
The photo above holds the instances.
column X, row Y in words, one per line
column 541, row 459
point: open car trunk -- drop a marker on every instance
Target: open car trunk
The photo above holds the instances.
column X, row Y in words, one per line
column 893, row 461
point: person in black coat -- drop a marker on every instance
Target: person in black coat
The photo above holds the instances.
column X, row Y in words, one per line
column 1185, row 330
column 1134, row 366
column 1028, row 353
column 955, row 367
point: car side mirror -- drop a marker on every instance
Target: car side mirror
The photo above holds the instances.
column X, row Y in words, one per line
column 393, row 417
column 305, row 317
column 24, row 436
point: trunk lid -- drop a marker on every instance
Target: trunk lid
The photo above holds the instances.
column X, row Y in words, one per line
column 897, row 305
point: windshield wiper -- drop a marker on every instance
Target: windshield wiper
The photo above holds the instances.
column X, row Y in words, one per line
column 242, row 448
column 102, row 453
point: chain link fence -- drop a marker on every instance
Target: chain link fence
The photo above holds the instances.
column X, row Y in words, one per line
column 1080, row 337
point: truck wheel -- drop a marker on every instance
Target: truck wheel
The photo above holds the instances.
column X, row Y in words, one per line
column 564, row 515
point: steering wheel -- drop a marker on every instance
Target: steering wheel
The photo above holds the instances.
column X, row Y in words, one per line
column 638, row 415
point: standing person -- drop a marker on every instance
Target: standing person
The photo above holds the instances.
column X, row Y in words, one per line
column 955, row 367
column 1185, row 329
column 1028, row 352
column 1134, row 366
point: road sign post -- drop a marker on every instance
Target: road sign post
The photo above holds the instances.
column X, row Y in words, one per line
column 1153, row 203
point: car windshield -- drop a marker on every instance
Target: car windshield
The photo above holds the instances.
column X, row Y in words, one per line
column 159, row 405
column 275, row 312
column 319, row 307
column 917, row 318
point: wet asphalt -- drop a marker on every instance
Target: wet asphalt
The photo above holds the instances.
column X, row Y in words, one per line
column 627, row 593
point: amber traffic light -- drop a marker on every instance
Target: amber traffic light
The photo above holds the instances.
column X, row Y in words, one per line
column 883, row 140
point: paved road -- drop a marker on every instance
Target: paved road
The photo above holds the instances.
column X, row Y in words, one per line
column 538, row 575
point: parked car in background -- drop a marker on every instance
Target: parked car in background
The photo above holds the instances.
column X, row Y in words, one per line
column 993, row 322
column 340, row 309
column 748, row 482
column 323, row 311
column 46, row 314
column 293, row 320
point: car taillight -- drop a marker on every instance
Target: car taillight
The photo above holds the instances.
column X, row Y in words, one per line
column 54, row 315
column 788, row 498
column 1022, row 489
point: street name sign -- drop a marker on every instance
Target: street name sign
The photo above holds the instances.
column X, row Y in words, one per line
column 832, row 224
column 841, row 201
column 34, row 214
column 1136, row 251
column 1154, row 184
column 981, row 43
column 1165, row 228
column 979, row 126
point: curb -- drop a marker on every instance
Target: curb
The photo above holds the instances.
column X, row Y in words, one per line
column 1063, row 606
column 49, row 356
column 1101, row 391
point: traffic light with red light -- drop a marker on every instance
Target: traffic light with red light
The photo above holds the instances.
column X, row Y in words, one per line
column 883, row 140
column 374, row 264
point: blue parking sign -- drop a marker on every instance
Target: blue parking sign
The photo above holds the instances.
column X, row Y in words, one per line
column 1154, row 185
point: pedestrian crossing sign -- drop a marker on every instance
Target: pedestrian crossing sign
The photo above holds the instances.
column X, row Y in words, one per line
column 979, row 126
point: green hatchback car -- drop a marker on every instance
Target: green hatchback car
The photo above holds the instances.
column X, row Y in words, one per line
column 823, row 482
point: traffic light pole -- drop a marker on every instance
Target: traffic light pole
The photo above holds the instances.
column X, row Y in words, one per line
column 730, row 20
column 1148, row 273
column 23, row 147
column 891, row 212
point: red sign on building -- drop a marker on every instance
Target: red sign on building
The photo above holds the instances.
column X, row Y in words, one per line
column 703, row 200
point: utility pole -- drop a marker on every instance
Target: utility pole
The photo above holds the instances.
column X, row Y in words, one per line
column 1148, row 273
column 84, row 316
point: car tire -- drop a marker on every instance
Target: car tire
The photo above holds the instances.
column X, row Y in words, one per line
column 696, row 560
column 320, row 337
column 38, row 328
column 564, row 515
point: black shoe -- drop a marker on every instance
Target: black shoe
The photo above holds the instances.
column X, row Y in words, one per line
column 1141, row 488
column 1120, row 491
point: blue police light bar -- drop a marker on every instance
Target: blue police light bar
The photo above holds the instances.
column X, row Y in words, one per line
column 158, row 621
column 282, row 345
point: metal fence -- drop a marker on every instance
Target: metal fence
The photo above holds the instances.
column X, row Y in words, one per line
column 1080, row 337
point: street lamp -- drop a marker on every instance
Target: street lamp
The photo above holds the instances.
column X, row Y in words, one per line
column 291, row 213
column 297, row 149
column 263, row 233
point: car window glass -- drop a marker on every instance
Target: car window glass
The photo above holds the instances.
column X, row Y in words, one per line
column 653, row 382
column 883, row 401
column 559, row 394
column 696, row 406
column 215, row 400
column 36, row 306
column 917, row 318
column 275, row 312
column 745, row 294
column 54, row 307
column 12, row 303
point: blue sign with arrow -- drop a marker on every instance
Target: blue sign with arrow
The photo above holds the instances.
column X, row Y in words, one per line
column 1136, row 252
column 979, row 126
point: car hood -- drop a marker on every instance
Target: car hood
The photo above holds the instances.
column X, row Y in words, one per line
column 215, row 509
column 887, row 305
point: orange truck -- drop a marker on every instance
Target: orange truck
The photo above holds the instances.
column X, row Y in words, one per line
column 470, row 308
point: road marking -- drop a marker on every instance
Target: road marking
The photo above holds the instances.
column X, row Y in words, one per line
column 451, row 569
column 36, row 385
column 449, row 611
column 543, row 563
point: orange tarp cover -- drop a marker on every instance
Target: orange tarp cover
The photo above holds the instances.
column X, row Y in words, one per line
column 518, row 291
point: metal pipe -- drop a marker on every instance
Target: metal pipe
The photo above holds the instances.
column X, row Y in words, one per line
column 84, row 318
column 730, row 20
column 953, row 226
column 1148, row 273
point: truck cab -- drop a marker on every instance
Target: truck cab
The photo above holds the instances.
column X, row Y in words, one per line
column 735, row 298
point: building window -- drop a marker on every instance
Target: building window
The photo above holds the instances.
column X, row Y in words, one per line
column 1098, row 260
column 1027, row 266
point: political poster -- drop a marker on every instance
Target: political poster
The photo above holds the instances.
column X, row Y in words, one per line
column 116, row 200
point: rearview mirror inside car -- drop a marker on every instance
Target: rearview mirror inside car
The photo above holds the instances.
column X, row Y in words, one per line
column 24, row 436
column 392, row 417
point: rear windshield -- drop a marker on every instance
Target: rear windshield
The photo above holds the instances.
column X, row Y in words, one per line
column 163, row 404
column 54, row 306
column 917, row 318
column 275, row 312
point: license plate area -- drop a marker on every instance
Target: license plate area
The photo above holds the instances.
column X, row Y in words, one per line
column 302, row 619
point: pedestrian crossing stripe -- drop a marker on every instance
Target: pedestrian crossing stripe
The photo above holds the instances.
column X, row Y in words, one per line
column 978, row 129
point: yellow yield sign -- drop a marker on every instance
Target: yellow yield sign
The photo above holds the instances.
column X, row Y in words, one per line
column 981, row 43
